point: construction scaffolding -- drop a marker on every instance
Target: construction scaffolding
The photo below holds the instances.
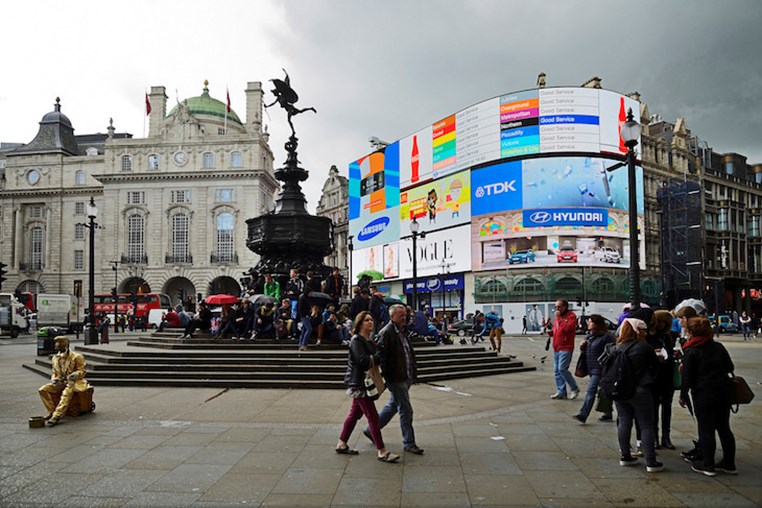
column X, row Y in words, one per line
column 680, row 208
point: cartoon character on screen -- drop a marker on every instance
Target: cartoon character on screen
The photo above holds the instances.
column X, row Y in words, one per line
column 453, row 197
column 431, row 205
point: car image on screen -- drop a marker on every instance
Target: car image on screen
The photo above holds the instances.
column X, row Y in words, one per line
column 522, row 256
column 567, row 254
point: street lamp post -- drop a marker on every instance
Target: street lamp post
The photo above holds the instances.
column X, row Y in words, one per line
column 115, row 267
column 630, row 133
column 92, row 214
column 414, row 228
column 350, row 247
column 445, row 270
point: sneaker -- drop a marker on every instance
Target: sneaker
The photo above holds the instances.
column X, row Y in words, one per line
column 574, row 394
column 725, row 467
column 702, row 469
column 414, row 449
column 628, row 461
column 558, row 396
column 606, row 418
column 654, row 467
column 579, row 419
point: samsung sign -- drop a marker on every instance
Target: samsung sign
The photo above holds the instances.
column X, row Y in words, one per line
column 373, row 228
column 549, row 217
column 496, row 188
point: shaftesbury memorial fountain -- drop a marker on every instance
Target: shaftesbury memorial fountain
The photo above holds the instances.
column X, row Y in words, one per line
column 289, row 237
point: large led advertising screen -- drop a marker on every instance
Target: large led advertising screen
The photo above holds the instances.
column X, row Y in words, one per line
column 551, row 211
column 523, row 177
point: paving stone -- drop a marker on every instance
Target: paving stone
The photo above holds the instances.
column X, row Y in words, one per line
column 435, row 499
column 53, row 489
column 712, row 500
column 483, row 444
column 534, row 442
column 163, row 457
column 500, row 490
column 124, row 483
column 241, row 488
column 637, row 492
column 367, row 492
column 489, row 464
column 162, row 499
column 544, row 461
column 141, row 441
column 258, row 462
column 563, row 485
column 104, row 460
column 432, row 479
column 301, row 500
column 77, row 501
column 308, row 481
column 189, row 478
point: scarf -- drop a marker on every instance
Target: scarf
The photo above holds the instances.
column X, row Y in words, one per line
column 697, row 341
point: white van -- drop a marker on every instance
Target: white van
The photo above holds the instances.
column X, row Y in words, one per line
column 154, row 318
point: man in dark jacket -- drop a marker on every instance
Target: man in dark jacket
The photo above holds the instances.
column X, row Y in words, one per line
column 399, row 373
column 359, row 303
column 376, row 307
column 334, row 285
column 294, row 289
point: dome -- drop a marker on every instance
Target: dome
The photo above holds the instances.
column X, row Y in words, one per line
column 205, row 104
column 56, row 116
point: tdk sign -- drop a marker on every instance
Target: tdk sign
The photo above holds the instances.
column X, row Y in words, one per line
column 373, row 228
column 549, row 217
column 496, row 188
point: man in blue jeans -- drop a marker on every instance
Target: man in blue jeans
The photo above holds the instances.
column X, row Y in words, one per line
column 399, row 373
column 564, row 329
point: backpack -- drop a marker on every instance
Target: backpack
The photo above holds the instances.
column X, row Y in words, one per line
column 617, row 376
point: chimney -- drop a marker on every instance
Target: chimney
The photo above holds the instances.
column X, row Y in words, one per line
column 158, row 100
column 254, row 98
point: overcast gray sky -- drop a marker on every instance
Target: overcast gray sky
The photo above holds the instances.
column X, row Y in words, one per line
column 374, row 68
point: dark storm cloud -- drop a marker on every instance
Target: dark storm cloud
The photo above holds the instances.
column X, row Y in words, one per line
column 390, row 68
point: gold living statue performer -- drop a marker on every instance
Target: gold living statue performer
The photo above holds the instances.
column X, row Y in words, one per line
column 68, row 377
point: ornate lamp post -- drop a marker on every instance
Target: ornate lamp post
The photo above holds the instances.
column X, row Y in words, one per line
column 92, row 214
column 445, row 270
column 414, row 228
column 630, row 134
column 115, row 267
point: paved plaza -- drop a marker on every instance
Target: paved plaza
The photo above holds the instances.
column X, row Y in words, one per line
column 489, row 441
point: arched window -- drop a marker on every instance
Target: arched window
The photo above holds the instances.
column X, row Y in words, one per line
column 603, row 285
column 569, row 285
column 236, row 160
column 126, row 162
column 79, row 177
column 528, row 285
column 180, row 225
column 494, row 287
column 135, row 238
column 225, row 245
column 208, row 160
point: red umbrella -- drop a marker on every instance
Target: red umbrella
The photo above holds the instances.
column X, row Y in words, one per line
column 221, row 299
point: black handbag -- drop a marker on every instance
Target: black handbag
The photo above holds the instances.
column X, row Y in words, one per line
column 581, row 369
column 741, row 392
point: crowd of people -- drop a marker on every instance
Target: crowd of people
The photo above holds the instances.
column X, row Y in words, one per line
column 637, row 371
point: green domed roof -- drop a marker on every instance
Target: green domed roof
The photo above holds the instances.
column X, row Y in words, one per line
column 205, row 104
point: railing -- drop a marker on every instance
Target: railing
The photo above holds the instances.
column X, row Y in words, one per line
column 223, row 258
column 186, row 259
column 135, row 259
column 36, row 266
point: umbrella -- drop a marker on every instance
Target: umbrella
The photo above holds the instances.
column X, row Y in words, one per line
column 698, row 305
column 318, row 298
column 391, row 300
column 262, row 299
column 221, row 299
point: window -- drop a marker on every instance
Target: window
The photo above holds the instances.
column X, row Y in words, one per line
column 181, row 196
column 35, row 212
column 153, row 162
column 135, row 237
column 136, row 197
column 709, row 219
column 225, row 237
column 79, row 231
column 208, row 160
column 722, row 219
column 37, row 247
column 220, row 131
column 91, row 151
column 79, row 177
column 753, row 225
column 569, row 284
column 730, row 168
column 79, row 208
column 236, row 160
column 224, row 195
column 126, row 162
column 79, row 259
column 180, row 237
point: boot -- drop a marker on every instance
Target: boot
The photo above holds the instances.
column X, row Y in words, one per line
column 667, row 443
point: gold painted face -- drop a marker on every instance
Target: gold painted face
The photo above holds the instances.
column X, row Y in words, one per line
column 62, row 344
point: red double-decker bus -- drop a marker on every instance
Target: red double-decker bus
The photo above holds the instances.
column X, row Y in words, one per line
column 104, row 303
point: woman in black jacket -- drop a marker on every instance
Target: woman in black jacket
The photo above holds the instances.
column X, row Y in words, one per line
column 592, row 347
column 361, row 351
column 660, row 338
column 706, row 373
column 642, row 360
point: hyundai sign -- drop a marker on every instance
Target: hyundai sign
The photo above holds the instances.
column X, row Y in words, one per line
column 566, row 217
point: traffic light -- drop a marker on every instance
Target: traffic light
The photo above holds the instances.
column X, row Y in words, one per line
column 3, row 271
column 113, row 294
